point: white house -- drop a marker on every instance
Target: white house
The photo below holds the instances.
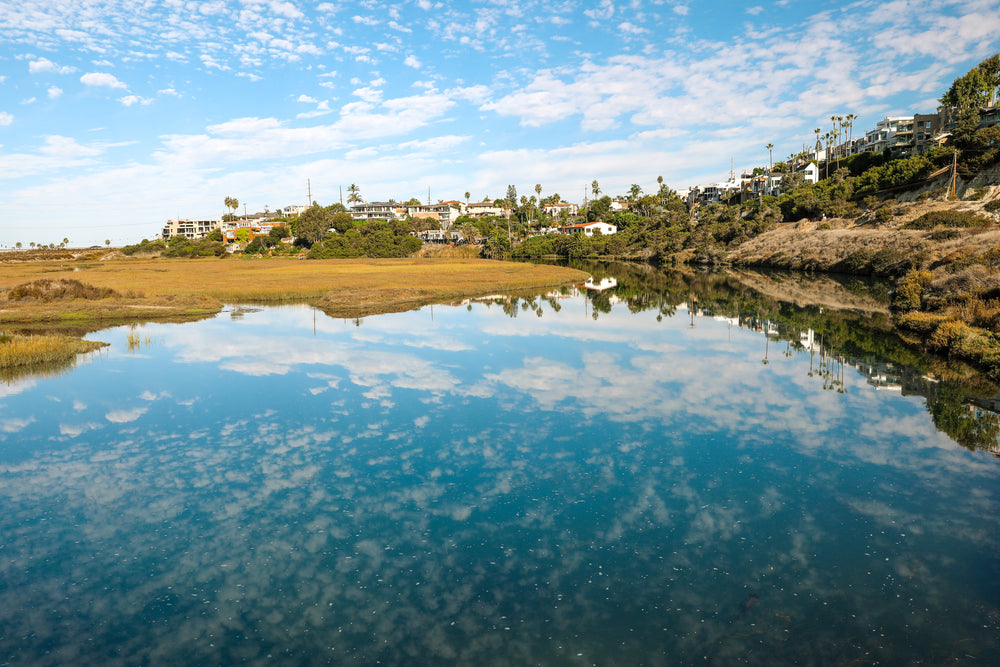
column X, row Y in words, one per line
column 445, row 212
column 483, row 209
column 193, row 229
column 555, row 210
column 590, row 228
column 378, row 210
column 810, row 172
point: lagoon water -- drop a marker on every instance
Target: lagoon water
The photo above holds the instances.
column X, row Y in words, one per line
column 604, row 477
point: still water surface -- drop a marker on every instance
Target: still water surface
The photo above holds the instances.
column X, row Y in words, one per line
column 566, row 480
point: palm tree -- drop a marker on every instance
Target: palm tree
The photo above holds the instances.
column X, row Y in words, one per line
column 850, row 130
column 828, row 137
column 65, row 242
column 354, row 194
column 634, row 191
column 595, row 188
column 18, row 245
column 770, row 156
column 233, row 203
column 107, row 242
column 818, row 144
column 467, row 195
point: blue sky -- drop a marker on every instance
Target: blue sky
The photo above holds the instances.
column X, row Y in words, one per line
column 118, row 114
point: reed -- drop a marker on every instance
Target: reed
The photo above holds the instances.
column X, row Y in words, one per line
column 17, row 350
column 163, row 283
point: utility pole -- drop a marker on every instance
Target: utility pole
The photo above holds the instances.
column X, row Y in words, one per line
column 309, row 187
column 428, row 195
column 954, row 172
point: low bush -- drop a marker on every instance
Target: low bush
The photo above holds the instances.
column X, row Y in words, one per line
column 145, row 246
column 908, row 295
column 47, row 289
column 920, row 322
column 947, row 218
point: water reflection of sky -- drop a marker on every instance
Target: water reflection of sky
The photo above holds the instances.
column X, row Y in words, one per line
column 454, row 485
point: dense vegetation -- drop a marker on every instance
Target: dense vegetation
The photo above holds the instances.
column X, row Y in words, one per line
column 180, row 246
column 371, row 239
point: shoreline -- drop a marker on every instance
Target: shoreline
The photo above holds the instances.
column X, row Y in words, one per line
column 179, row 290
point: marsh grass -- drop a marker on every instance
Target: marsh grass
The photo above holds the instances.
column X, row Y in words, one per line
column 84, row 296
column 164, row 282
column 49, row 289
column 39, row 350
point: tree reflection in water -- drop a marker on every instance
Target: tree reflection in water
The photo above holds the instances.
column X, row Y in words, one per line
column 962, row 402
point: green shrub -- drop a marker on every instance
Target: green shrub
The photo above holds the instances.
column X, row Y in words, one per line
column 943, row 235
column 922, row 323
column 883, row 215
column 145, row 246
column 910, row 289
column 947, row 218
column 858, row 262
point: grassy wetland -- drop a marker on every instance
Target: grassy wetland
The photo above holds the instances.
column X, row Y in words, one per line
column 47, row 305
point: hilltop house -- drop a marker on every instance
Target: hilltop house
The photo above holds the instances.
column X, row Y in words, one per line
column 483, row 209
column 590, row 228
column 193, row 229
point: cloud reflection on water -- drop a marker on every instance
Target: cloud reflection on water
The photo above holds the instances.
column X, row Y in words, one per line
column 508, row 499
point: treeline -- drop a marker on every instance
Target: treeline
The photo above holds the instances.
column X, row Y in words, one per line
column 371, row 239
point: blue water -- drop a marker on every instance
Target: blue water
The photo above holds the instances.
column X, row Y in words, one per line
column 454, row 485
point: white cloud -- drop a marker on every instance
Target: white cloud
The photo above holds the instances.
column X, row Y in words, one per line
column 67, row 147
column 130, row 100
column 632, row 29
column 46, row 65
column 5, row 119
column 412, row 61
column 54, row 92
column 102, row 79
column 15, row 424
column 322, row 109
column 602, row 12
column 125, row 416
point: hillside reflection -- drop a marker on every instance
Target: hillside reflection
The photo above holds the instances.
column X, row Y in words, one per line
column 860, row 338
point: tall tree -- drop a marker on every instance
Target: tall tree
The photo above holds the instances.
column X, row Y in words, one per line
column 977, row 89
column 467, row 195
column 313, row 224
column 512, row 195
column 770, row 156
column 233, row 203
column 353, row 194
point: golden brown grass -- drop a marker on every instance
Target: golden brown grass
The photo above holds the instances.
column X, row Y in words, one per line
column 83, row 296
column 19, row 350
column 80, row 296
column 276, row 280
